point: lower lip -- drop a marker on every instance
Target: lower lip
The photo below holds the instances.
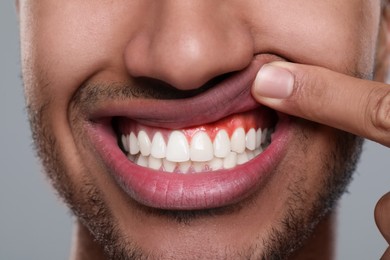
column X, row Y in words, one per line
column 193, row 191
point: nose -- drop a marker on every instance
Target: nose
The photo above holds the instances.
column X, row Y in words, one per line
column 187, row 43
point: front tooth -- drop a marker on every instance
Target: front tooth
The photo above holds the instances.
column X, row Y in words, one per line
column 201, row 149
column 184, row 166
column 216, row 164
column 125, row 144
column 230, row 161
column 250, row 139
column 169, row 166
column 251, row 154
column 142, row 161
column 238, row 140
column 221, row 144
column 144, row 143
column 198, row 166
column 133, row 144
column 159, row 147
column 154, row 163
column 242, row 158
column 178, row 149
column 258, row 138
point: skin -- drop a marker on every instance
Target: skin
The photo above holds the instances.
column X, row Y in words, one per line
column 69, row 44
column 367, row 113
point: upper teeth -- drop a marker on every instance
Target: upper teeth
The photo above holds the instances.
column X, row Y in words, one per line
column 199, row 154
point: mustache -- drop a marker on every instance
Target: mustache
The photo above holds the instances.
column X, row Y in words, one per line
column 140, row 88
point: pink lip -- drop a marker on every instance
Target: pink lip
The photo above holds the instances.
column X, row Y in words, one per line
column 163, row 190
column 188, row 191
column 230, row 96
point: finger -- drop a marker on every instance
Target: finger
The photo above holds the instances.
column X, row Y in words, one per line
column 358, row 106
column 382, row 216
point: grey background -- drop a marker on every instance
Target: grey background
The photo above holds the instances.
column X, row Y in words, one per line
column 35, row 225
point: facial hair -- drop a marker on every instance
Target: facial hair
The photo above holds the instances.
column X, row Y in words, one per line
column 295, row 228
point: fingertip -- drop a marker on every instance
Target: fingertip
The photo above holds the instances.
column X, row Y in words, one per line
column 273, row 81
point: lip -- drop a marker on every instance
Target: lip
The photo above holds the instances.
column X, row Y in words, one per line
column 175, row 191
column 231, row 96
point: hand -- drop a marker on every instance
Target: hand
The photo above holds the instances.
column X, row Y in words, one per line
column 357, row 106
column 354, row 105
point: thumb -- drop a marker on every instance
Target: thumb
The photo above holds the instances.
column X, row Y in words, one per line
column 354, row 105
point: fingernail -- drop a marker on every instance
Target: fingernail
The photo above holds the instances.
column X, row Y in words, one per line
column 274, row 82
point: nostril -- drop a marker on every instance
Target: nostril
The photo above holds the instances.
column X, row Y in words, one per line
column 154, row 88
column 211, row 83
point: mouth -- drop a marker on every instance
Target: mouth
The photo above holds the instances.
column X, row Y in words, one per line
column 224, row 144
column 208, row 151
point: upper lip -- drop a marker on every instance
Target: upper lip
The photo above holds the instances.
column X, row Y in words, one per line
column 230, row 96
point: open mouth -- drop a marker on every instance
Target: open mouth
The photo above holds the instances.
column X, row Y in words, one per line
column 199, row 167
column 224, row 144
column 210, row 150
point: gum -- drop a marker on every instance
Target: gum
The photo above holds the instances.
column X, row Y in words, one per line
column 261, row 118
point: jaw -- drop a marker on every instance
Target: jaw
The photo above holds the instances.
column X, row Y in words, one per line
column 290, row 190
column 136, row 223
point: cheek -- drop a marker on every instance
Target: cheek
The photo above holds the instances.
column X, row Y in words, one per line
column 333, row 34
column 64, row 43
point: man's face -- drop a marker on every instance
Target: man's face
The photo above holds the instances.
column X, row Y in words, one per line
column 142, row 115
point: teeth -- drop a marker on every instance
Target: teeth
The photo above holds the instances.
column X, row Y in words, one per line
column 201, row 148
column 131, row 157
column 184, row 166
column 176, row 154
column 216, row 164
column 251, row 155
column 144, row 143
column 125, row 143
column 230, row 161
column 250, row 139
column 258, row 151
column 178, row 149
column 154, row 163
column 198, row 166
column 133, row 144
column 242, row 158
column 264, row 135
column 258, row 138
column 158, row 146
column 221, row 144
column 168, row 165
column 267, row 137
column 238, row 140
column 142, row 161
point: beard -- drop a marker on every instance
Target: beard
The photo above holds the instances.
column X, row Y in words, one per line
column 295, row 226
